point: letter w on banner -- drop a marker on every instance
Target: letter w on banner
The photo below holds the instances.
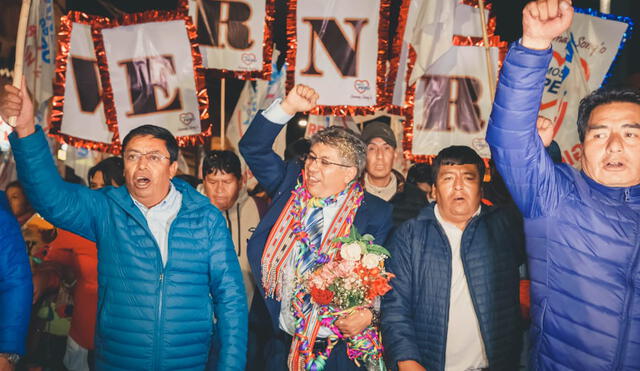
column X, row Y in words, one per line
column 151, row 74
column 339, row 48
column 235, row 36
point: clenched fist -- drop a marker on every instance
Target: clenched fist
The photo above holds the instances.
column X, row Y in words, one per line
column 544, row 20
column 301, row 98
column 16, row 102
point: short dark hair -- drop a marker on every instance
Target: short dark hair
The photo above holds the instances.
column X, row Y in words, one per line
column 225, row 161
column 457, row 155
column 420, row 173
column 13, row 184
column 600, row 97
column 157, row 132
column 112, row 170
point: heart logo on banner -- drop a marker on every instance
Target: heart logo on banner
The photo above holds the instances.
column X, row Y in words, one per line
column 361, row 86
column 249, row 58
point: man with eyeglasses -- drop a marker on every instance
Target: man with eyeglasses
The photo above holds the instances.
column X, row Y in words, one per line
column 166, row 263
column 313, row 203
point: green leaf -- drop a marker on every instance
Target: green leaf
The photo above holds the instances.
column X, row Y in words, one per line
column 368, row 237
column 343, row 239
column 377, row 249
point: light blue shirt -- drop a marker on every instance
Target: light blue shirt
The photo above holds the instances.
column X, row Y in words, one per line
column 160, row 217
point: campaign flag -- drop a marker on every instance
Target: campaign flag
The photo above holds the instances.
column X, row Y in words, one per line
column 582, row 56
column 235, row 36
column 151, row 73
column 39, row 55
column 339, row 49
column 78, row 115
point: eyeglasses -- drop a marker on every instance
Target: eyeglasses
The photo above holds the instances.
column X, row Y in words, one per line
column 322, row 162
column 153, row 157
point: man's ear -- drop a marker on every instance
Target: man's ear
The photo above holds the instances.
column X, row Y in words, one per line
column 173, row 169
column 351, row 174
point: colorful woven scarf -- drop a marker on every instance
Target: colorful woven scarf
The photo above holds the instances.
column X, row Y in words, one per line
column 288, row 235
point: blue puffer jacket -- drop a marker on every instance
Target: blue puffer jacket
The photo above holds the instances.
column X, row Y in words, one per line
column 150, row 317
column 583, row 238
column 415, row 314
column 16, row 287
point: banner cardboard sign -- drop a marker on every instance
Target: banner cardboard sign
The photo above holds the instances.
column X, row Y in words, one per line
column 78, row 115
column 339, row 49
column 149, row 68
column 235, row 37
column 453, row 103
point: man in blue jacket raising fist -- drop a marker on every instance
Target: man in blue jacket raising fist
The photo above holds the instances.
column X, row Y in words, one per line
column 582, row 227
column 166, row 263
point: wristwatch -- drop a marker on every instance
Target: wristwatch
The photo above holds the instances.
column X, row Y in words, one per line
column 13, row 358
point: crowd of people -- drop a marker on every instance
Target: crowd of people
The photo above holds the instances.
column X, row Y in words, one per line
column 142, row 270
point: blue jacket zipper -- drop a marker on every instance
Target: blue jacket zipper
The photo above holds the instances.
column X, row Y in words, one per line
column 628, row 299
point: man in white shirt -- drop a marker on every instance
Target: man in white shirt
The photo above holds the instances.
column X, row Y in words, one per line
column 455, row 303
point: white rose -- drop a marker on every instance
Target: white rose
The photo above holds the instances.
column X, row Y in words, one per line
column 371, row 261
column 351, row 251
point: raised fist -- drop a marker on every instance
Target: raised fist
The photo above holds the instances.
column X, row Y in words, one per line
column 16, row 102
column 544, row 20
column 545, row 130
column 301, row 98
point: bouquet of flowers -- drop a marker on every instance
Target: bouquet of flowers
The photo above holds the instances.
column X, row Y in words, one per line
column 350, row 282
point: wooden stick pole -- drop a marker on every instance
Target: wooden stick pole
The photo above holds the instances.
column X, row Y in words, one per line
column 222, row 120
column 487, row 49
column 18, row 66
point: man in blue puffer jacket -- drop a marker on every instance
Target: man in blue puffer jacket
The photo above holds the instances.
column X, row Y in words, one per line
column 15, row 288
column 166, row 263
column 454, row 304
column 582, row 228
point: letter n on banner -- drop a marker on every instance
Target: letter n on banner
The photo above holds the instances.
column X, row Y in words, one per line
column 235, row 36
column 339, row 49
column 151, row 71
column 78, row 116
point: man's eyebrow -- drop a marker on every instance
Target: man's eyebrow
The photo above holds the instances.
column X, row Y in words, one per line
column 633, row 125
column 596, row 126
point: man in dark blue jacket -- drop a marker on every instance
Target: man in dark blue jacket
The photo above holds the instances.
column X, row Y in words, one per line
column 166, row 263
column 455, row 300
column 16, row 289
column 324, row 194
column 582, row 227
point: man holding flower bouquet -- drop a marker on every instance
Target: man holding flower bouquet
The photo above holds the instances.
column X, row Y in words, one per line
column 319, row 276
column 455, row 299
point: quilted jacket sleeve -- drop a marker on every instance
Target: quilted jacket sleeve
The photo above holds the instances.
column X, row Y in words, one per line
column 68, row 206
column 16, row 287
column 229, row 299
column 396, row 312
column 516, row 148
column 256, row 147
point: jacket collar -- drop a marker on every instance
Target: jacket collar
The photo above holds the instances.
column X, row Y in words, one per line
column 428, row 213
column 628, row 195
column 191, row 199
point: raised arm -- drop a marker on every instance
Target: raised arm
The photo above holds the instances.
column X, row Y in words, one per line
column 516, row 147
column 69, row 206
column 256, row 145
